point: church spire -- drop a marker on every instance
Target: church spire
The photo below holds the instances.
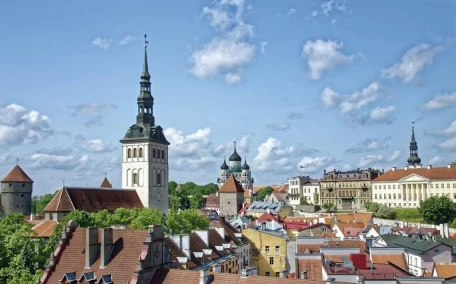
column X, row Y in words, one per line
column 145, row 73
column 413, row 160
column 145, row 99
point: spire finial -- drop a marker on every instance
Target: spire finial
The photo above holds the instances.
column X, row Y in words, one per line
column 106, row 174
column 17, row 160
column 145, row 41
column 234, row 145
column 145, row 65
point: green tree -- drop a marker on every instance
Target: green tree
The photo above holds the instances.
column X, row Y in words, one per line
column 40, row 202
column 122, row 216
column 197, row 201
column 147, row 217
column 438, row 210
column 385, row 212
column 372, row 207
column 174, row 202
column 262, row 193
column 102, row 219
column 303, row 201
column 172, row 185
column 183, row 222
column 328, row 206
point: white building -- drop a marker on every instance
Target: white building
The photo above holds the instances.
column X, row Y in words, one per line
column 305, row 187
column 408, row 186
column 145, row 152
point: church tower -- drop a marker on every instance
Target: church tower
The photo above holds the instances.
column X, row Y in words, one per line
column 413, row 160
column 145, row 150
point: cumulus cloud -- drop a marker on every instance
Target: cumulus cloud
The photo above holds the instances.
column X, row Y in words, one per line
column 263, row 46
column 323, row 56
column 412, row 62
column 378, row 160
column 394, row 156
column 382, row 115
column 278, row 126
column 101, row 42
column 97, row 146
column 126, row 40
column 57, row 162
column 21, row 126
column 328, row 7
column 369, row 145
column 231, row 49
column 272, row 156
column 441, row 101
column 57, row 151
column 316, row 164
column 448, row 145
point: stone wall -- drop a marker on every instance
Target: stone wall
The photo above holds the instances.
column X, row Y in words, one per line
column 387, row 222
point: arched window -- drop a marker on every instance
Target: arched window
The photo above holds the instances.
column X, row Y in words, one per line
column 163, row 154
column 158, row 179
column 153, row 153
column 135, row 154
column 129, row 153
column 140, row 152
column 135, row 178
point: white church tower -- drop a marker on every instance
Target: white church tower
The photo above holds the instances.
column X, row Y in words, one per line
column 145, row 151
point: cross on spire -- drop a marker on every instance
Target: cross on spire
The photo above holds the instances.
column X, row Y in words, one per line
column 145, row 41
column 17, row 160
column 234, row 145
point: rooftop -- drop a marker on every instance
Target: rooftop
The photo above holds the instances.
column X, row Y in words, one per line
column 429, row 173
column 17, row 175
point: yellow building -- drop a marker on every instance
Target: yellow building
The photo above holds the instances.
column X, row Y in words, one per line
column 269, row 251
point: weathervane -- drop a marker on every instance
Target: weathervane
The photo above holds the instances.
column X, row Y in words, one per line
column 17, row 160
column 106, row 174
column 145, row 40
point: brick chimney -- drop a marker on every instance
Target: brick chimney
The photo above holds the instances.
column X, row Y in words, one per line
column 106, row 246
column 91, row 248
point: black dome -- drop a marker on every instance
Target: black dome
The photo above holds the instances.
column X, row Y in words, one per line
column 414, row 159
column 224, row 166
column 235, row 157
column 245, row 166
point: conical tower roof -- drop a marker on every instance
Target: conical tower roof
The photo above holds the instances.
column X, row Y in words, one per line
column 17, row 175
column 106, row 183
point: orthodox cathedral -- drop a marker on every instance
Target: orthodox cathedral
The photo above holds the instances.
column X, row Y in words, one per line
column 241, row 173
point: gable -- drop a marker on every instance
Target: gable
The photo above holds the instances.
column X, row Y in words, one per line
column 413, row 178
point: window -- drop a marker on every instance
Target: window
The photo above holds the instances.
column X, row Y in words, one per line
column 454, row 195
column 443, row 185
column 140, row 152
column 384, row 195
column 436, row 250
column 389, row 186
column 153, row 153
column 436, row 186
column 277, row 274
column 375, row 186
column 454, row 185
column 271, row 260
column 394, row 186
column 163, row 154
column 398, row 195
column 394, row 196
column 135, row 178
column 267, row 273
column 448, row 185
column 389, row 196
column 129, row 153
column 384, row 186
column 277, row 249
column 431, row 186
column 135, row 154
column 375, row 196
column 437, row 195
column 266, row 248
column 158, row 179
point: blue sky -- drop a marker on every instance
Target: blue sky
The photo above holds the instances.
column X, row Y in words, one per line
column 324, row 84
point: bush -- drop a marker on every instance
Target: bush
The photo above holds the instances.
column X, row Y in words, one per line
column 408, row 214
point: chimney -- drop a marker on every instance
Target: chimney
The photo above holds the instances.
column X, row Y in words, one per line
column 284, row 273
column 244, row 273
column 442, row 230
column 106, row 246
column 204, row 235
column 393, row 169
column 447, row 230
column 331, row 281
column 204, row 276
column 91, row 248
column 406, row 167
column 449, row 166
column 304, row 275
column 32, row 217
column 263, row 226
column 429, row 167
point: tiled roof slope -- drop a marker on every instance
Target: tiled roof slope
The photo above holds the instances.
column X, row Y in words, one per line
column 433, row 173
column 446, row 270
column 128, row 245
column 106, row 183
column 93, row 199
column 229, row 231
column 45, row 229
column 16, row 175
column 173, row 276
column 231, row 186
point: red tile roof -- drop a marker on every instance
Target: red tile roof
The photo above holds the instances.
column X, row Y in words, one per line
column 313, row 267
column 106, row 183
column 231, row 185
column 45, row 229
column 17, row 175
column 93, row 199
column 352, row 232
column 433, row 173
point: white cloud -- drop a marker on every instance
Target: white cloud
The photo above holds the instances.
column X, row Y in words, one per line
column 369, row 145
column 314, row 13
column 396, row 154
column 4, row 157
column 103, row 43
column 97, row 146
column 323, row 56
column 188, row 145
column 242, row 146
column 317, row 164
column 378, row 160
column 228, row 52
column 333, row 21
column 441, row 101
column 382, row 115
column 126, row 40
column 369, row 160
column 278, row 126
column 333, row 5
column 58, row 162
column 263, row 46
column 273, row 157
column 92, row 108
column 358, row 100
column 412, row 62
column 21, row 126
column 291, row 12
column 329, row 97
column 435, row 160
column 449, row 144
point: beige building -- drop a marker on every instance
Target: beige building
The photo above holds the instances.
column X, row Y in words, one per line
column 303, row 187
column 347, row 189
column 408, row 186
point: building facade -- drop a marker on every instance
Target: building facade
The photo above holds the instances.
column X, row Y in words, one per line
column 240, row 172
column 16, row 192
column 347, row 190
column 145, row 151
column 303, row 187
column 231, row 196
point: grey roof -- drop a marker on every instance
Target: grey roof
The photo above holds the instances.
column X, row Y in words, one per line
column 410, row 244
column 140, row 132
column 261, row 206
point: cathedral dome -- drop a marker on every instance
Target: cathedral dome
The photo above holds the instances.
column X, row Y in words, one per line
column 224, row 166
column 235, row 157
column 245, row 166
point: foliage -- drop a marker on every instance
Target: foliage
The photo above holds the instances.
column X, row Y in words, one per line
column 39, row 202
column 408, row 214
column 197, row 201
column 147, row 217
column 182, row 222
column 328, row 206
column 179, row 198
column 453, row 164
column 385, row 212
column 262, row 193
column 372, row 207
column 303, row 201
column 438, row 210
column 453, row 224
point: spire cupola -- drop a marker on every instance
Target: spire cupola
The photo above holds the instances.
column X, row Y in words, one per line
column 413, row 160
column 245, row 166
column 235, row 156
column 145, row 99
column 224, row 165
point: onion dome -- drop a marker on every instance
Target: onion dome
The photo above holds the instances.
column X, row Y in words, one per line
column 235, row 156
column 245, row 166
column 224, row 166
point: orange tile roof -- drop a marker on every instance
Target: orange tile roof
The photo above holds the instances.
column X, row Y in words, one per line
column 93, row 199
column 231, row 185
column 347, row 244
column 313, row 267
column 106, row 183
column 396, row 259
column 17, row 175
column 433, row 173
column 309, row 248
column 45, row 229
column 446, row 270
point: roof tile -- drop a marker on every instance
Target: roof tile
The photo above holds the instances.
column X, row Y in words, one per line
column 231, row 186
column 17, row 175
column 433, row 173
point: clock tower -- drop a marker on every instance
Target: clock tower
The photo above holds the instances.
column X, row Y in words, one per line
column 145, row 151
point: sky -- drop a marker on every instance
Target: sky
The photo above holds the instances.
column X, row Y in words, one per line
column 319, row 84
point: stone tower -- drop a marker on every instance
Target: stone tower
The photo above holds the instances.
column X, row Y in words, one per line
column 413, row 160
column 145, row 151
column 17, row 190
column 231, row 197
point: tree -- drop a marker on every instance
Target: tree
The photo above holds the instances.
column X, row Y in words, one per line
column 328, row 206
column 122, row 216
column 385, row 212
column 40, row 202
column 372, row 207
column 197, row 201
column 147, row 217
column 438, row 210
column 102, row 219
column 303, row 201
column 262, row 193
column 172, row 185
column 183, row 222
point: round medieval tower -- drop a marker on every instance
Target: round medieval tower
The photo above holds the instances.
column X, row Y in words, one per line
column 16, row 189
